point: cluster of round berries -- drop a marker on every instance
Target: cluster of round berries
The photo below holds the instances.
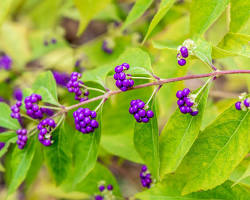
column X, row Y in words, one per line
column 22, row 138
column 145, row 177
column 74, row 86
column 182, row 53
column 31, row 104
column 85, row 120
column 53, row 41
column 16, row 110
column 5, row 62
column 45, row 128
column 137, row 108
column 120, row 77
column 61, row 78
column 185, row 103
column 106, row 192
column 243, row 105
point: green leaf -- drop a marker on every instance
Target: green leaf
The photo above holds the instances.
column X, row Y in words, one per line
column 236, row 43
column 179, row 135
column 163, row 9
column 20, row 164
column 85, row 152
column 100, row 173
column 167, row 44
column 238, row 14
column 117, row 134
column 58, row 156
column 6, row 146
column 146, row 141
column 171, row 188
column 45, row 85
column 88, row 10
column 140, row 65
column 204, row 13
column 203, row 51
column 36, row 165
column 5, row 9
column 241, row 174
column 137, row 11
column 217, row 151
column 6, row 136
column 5, row 119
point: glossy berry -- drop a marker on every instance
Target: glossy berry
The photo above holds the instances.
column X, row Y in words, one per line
column 61, row 78
column 32, row 108
column 85, row 120
column 99, row 197
column 46, row 128
column 101, row 188
column 238, row 105
column 145, row 177
column 138, row 111
column 110, row 187
column 184, row 51
column 22, row 138
column 186, row 105
column 75, row 86
column 16, row 110
column 121, row 78
column 181, row 62
column 247, row 102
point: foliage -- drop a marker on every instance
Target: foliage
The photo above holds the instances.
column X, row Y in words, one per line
column 205, row 156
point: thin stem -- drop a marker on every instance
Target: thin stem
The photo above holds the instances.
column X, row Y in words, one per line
column 90, row 88
column 32, row 131
column 51, row 107
column 144, row 78
column 159, row 82
column 153, row 93
column 100, row 104
column 28, row 117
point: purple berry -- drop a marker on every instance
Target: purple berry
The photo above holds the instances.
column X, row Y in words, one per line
column 118, row 69
column 126, row 65
column 180, row 102
column 179, row 94
column 238, row 105
column 247, row 102
column 150, row 114
column 119, row 83
column 145, row 119
column 188, row 102
column 184, row 51
column 101, row 188
column 110, row 187
column 142, row 113
column 122, row 76
column 183, row 109
column 185, row 92
column 182, row 62
column 193, row 113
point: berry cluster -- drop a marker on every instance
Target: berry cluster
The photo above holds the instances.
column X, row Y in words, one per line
column 22, row 138
column 185, row 103
column 61, row 78
column 120, row 77
column 53, row 41
column 16, row 110
column 182, row 53
column 85, row 120
column 5, row 62
column 45, row 128
column 145, row 177
column 243, row 105
column 137, row 108
column 74, row 86
column 31, row 104
column 105, row 192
